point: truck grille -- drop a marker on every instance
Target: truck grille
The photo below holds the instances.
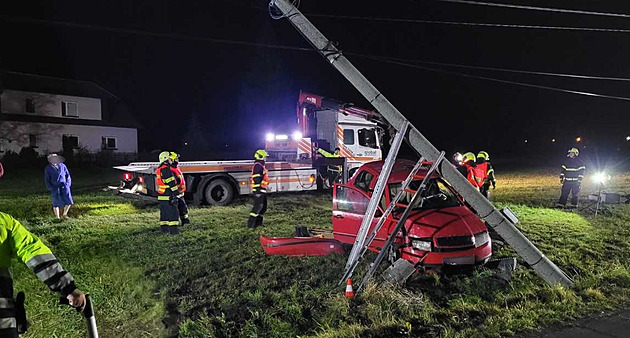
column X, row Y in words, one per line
column 455, row 241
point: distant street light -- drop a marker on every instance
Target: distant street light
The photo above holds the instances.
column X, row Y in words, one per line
column 578, row 139
column 525, row 140
column 553, row 140
column 627, row 138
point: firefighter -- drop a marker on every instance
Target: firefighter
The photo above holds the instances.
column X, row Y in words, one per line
column 327, row 154
column 167, row 194
column 259, row 182
column 571, row 178
column 334, row 171
column 469, row 169
column 16, row 241
column 483, row 163
column 182, row 207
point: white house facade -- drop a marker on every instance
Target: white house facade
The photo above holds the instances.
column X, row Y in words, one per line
column 54, row 115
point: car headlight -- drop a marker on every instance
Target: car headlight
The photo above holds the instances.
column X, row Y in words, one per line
column 419, row 244
column 481, row 238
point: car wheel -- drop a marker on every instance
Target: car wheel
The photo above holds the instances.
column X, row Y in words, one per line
column 219, row 192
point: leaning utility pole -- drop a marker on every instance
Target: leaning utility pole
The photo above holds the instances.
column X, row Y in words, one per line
column 495, row 218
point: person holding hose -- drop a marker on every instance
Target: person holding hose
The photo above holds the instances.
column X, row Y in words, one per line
column 16, row 241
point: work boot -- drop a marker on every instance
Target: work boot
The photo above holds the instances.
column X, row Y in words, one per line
column 185, row 221
column 173, row 230
column 559, row 206
column 164, row 229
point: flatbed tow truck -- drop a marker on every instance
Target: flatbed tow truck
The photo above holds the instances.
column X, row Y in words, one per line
column 294, row 164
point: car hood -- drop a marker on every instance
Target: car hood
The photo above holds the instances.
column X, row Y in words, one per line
column 445, row 222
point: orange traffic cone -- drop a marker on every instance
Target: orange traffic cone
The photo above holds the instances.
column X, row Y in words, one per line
column 349, row 291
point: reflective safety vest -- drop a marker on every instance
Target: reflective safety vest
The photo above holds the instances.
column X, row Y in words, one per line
column 573, row 170
column 166, row 182
column 259, row 178
column 474, row 175
column 179, row 177
column 484, row 168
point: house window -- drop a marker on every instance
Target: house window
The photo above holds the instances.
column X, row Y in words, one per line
column 348, row 136
column 109, row 143
column 70, row 109
column 70, row 142
column 32, row 141
column 29, row 106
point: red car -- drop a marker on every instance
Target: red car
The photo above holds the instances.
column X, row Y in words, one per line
column 442, row 231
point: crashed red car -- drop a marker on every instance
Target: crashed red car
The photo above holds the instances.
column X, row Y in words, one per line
column 439, row 232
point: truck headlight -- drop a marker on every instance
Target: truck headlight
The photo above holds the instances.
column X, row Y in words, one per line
column 419, row 244
column 481, row 238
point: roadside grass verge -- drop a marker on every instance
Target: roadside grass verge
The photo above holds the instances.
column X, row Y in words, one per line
column 215, row 281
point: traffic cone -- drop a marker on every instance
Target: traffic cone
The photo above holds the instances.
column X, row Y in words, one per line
column 349, row 290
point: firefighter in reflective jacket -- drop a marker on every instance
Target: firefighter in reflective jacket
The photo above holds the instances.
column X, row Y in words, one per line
column 168, row 193
column 182, row 207
column 16, row 241
column 334, row 171
column 260, row 182
column 469, row 169
column 483, row 163
column 571, row 178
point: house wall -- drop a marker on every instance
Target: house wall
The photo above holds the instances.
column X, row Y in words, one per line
column 49, row 136
column 14, row 102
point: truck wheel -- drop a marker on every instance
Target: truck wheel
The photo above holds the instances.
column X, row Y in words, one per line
column 219, row 192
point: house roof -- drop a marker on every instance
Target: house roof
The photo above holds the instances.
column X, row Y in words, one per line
column 115, row 112
column 52, row 85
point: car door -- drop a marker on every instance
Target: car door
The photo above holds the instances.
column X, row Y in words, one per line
column 349, row 206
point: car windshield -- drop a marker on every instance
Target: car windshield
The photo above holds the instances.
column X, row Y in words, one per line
column 437, row 195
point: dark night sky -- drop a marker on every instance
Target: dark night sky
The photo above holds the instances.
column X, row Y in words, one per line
column 238, row 93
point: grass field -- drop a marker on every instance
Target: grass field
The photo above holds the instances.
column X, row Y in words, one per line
column 214, row 280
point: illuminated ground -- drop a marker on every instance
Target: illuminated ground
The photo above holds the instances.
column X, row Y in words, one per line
column 214, row 279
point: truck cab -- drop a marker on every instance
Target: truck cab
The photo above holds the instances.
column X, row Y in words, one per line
column 440, row 231
column 330, row 124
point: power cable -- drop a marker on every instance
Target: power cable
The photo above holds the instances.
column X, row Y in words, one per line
column 535, row 8
column 576, row 76
column 154, row 34
column 495, row 79
column 478, row 24
column 304, row 49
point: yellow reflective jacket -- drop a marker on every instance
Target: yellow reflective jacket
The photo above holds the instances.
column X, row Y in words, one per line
column 16, row 241
column 326, row 154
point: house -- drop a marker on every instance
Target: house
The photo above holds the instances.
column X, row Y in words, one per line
column 52, row 115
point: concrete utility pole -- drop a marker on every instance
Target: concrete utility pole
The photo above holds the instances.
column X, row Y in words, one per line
column 546, row 269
